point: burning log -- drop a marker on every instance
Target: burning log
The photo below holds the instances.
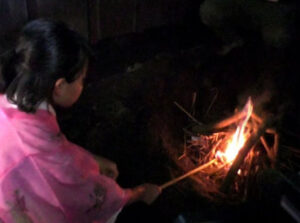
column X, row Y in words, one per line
column 242, row 154
column 229, row 121
column 210, row 128
column 216, row 127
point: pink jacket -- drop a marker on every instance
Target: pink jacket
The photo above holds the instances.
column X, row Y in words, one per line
column 44, row 178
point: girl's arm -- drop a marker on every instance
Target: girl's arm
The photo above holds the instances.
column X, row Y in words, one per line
column 145, row 192
column 107, row 167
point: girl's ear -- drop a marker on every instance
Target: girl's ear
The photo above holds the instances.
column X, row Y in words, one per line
column 59, row 86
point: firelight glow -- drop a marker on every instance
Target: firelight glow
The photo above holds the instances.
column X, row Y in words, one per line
column 238, row 139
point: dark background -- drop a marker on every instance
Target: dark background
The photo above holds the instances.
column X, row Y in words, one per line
column 95, row 19
column 150, row 53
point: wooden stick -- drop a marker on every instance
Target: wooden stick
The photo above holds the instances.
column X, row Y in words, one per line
column 242, row 154
column 256, row 118
column 194, row 103
column 187, row 113
column 267, row 148
column 293, row 149
column 212, row 102
column 192, row 172
column 235, row 118
column 187, row 132
column 271, row 131
column 226, row 122
column 276, row 144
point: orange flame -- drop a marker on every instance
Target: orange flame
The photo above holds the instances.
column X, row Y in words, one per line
column 238, row 139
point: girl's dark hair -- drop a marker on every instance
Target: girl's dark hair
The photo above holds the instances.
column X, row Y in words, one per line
column 46, row 51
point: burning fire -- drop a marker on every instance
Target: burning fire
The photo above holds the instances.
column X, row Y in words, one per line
column 238, row 139
column 212, row 152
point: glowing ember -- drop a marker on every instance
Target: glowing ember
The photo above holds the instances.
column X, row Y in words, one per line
column 239, row 138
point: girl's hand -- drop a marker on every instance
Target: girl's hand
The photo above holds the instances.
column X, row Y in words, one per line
column 108, row 167
column 151, row 192
column 145, row 192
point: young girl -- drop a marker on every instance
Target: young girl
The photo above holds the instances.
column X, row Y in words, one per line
column 44, row 178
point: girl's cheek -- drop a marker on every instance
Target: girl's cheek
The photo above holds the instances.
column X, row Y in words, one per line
column 79, row 91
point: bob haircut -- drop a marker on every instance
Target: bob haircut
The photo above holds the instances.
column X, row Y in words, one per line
column 45, row 51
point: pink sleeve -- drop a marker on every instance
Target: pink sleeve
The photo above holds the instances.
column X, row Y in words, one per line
column 85, row 194
column 59, row 185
